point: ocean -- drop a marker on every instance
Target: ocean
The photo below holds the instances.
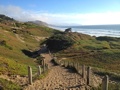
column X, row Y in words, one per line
column 94, row 30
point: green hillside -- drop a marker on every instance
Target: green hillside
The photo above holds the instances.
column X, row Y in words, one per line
column 102, row 53
column 17, row 38
column 20, row 40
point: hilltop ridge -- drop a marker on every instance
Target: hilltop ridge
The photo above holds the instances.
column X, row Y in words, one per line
column 4, row 17
column 38, row 22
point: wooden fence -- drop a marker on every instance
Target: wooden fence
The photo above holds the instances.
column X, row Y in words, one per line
column 84, row 71
column 41, row 69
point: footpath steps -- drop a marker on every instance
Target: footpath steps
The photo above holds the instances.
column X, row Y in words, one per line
column 59, row 78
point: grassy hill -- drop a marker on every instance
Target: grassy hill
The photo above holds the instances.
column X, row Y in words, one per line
column 102, row 53
column 17, row 38
column 19, row 41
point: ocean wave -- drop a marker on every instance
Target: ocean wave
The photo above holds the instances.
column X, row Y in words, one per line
column 94, row 32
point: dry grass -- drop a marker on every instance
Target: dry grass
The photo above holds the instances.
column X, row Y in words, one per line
column 101, row 54
column 12, row 51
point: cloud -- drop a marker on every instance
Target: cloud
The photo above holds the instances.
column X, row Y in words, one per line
column 61, row 19
column 21, row 14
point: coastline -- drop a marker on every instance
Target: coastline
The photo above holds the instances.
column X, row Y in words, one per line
column 92, row 32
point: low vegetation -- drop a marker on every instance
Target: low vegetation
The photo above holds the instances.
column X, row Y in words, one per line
column 101, row 53
column 9, row 66
column 8, row 85
column 17, row 38
column 110, row 87
column 42, row 76
column 59, row 42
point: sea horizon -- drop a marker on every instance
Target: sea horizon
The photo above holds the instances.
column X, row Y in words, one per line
column 94, row 30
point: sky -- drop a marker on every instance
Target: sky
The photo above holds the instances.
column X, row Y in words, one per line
column 63, row 12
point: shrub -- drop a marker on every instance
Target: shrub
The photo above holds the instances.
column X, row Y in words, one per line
column 105, row 38
column 3, row 43
column 59, row 42
column 39, row 60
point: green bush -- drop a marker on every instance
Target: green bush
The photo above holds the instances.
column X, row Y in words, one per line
column 105, row 38
column 40, row 59
column 3, row 43
column 115, row 86
column 59, row 42
column 111, row 86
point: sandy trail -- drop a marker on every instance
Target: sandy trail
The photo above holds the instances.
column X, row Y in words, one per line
column 59, row 78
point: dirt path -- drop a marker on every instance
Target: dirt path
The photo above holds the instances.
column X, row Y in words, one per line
column 18, row 37
column 59, row 78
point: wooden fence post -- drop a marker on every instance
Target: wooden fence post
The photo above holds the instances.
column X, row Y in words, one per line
column 50, row 53
column 105, row 82
column 73, row 65
column 89, row 76
column 60, row 63
column 76, row 79
column 68, row 64
column 39, row 70
column 30, row 75
column 55, row 59
column 43, row 61
column 83, row 71
column 78, row 67
column 43, row 65
column 47, row 67
column 65, row 64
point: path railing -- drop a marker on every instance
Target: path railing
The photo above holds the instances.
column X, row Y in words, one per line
column 41, row 69
column 84, row 71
